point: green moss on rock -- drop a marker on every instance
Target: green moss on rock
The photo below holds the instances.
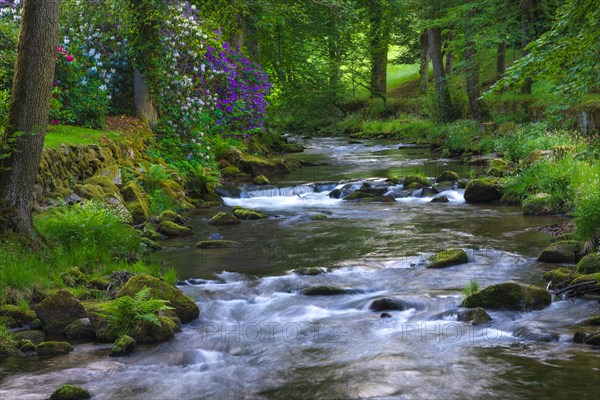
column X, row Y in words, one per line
column 410, row 180
column 567, row 251
column 169, row 228
column 594, row 321
column 498, row 167
column 541, row 204
column 147, row 332
column 560, row 276
column 222, row 218
column 15, row 316
column 81, row 329
column 248, row 214
column 69, row 392
column 318, row 217
column 59, row 310
column 325, row 290
column 26, row 346
column 171, row 216
column 509, row 296
column 261, row 166
column 53, row 348
column 447, row 258
column 218, row 244
column 448, row 176
column 261, row 180
column 123, row 346
column 136, row 203
column 185, row 307
column 312, row 271
column 482, row 191
column 589, row 264
column 475, row 316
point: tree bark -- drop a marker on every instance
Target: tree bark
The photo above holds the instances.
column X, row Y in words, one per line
column 23, row 140
column 379, row 41
column 144, row 105
column 424, row 65
column 449, row 56
column 252, row 34
column 472, row 70
column 439, row 76
column 526, row 20
column 500, row 60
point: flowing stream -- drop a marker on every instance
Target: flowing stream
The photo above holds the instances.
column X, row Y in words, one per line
column 259, row 337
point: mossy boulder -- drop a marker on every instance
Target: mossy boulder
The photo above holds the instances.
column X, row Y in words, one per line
column 169, row 228
column 73, row 277
column 33, row 335
column 231, row 170
column 482, row 191
column 171, row 216
column 318, row 217
column 26, row 346
column 589, row 264
column 102, row 188
column 448, row 176
column 136, row 203
column 261, row 180
column 325, row 291
column 509, row 296
column 448, row 258
column 498, row 167
column 593, row 321
column 261, row 166
column 69, row 392
column 149, row 232
column 359, row 195
column 415, row 182
column 566, row 251
column 540, row 204
column 15, row 316
column 123, row 346
column 595, row 277
column 98, row 283
column 386, row 304
column 218, row 244
column 53, row 348
column 184, row 307
column 559, row 277
column 222, row 218
column 81, row 329
column 8, row 347
column 147, row 332
column 475, row 316
column 151, row 244
column 57, row 311
column 248, row 214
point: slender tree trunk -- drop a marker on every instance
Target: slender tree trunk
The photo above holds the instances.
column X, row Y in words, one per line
column 379, row 40
column 439, row 76
column 526, row 18
column 144, row 104
column 500, row 60
column 252, row 34
column 449, row 56
column 28, row 114
column 424, row 65
column 472, row 70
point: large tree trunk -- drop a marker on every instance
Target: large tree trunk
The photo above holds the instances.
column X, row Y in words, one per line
column 526, row 21
column 439, row 76
column 23, row 140
column 144, row 104
column 252, row 34
column 449, row 55
column 424, row 64
column 379, row 41
column 500, row 60
column 472, row 71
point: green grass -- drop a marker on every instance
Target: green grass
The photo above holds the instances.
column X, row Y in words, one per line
column 76, row 135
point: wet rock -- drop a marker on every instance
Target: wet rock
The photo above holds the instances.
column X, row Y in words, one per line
column 261, row 180
column 540, row 204
column 428, row 192
column 262, row 166
column 53, row 348
column 318, row 217
column 385, row 315
column 147, row 332
column 589, row 264
column 73, row 199
column 411, row 180
column 169, row 228
column 15, row 316
column 69, row 392
column 151, row 244
column 462, row 183
column 400, row 193
column 360, row 196
column 476, row 316
column 26, row 346
column 559, row 277
column 387, row 303
column 595, row 320
column 536, row 333
column 216, row 236
column 185, row 308
column 482, row 191
column 593, row 340
column 124, row 346
column 448, row 258
column 509, row 296
column 443, row 187
column 248, row 214
column 57, row 311
column 81, row 329
column 312, row 271
column 171, row 216
column 325, row 291
column 136, row 203
column 561, row 252
column 448, row 176
column 149, row 232
column 218, row 244
column 440, row 199
column 222, row 218
column 33, row 335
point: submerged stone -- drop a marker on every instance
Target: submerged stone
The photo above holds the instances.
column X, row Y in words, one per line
column 448, row 258
column 482, row 191
column 387, row 303
column 172, row 229
column 69, row 392
column 247, row 214
column 53, row 348
column 509, row 296
column 218, row 244
column 476, row 316
column 222, row 218
column 325, row 290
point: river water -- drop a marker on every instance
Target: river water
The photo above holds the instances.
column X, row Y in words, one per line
column 259, row 337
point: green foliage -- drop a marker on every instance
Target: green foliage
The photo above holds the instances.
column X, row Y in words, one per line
column 460, row 137
column 91, row 224
column 154, row 177
column 4, row 331
column 125, row 312
column 519, row 143
column 4, row 104
column 587, row 202
column 9, row 36
column 471, row 288
column 158, row 202
column 170, row 276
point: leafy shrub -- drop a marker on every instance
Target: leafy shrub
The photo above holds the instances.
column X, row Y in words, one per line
column 587, row 202
column 158, row 202
column 125, row 312
column 4, row 104
column 153, row 178
column 9, row 35
column 90, row 225
column 519, row 143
